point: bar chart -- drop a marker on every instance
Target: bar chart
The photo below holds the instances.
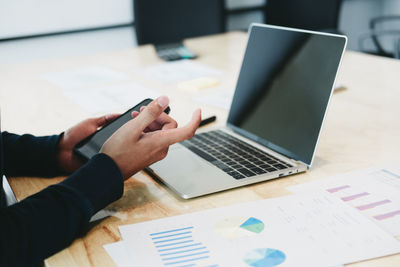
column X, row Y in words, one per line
column 374, row 192
column 177, row 247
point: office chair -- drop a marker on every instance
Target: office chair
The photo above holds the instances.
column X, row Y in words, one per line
column 385, row 36
column 165, row 22
column 320, row 15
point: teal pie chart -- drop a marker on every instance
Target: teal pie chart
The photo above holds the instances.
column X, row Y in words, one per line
column 238, row 227
column 264, row 257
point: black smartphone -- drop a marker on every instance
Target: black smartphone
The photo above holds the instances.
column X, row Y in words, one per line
column 92, row 144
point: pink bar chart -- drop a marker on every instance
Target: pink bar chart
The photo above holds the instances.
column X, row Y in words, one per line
column 375, row 192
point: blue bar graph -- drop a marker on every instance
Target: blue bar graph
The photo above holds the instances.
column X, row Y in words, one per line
column 178, row 248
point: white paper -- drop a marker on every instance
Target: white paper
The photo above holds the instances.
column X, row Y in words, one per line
column 108, row 98
column 299, row 230
column 99, row 90
column 217, row 98
column 374, row 192
column 82, row 77
column 177, row 71
column 118, row 253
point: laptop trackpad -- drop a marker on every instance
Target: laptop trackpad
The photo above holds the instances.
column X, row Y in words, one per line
column 188, row 174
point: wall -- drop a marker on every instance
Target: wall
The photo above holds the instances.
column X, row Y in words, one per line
column 31, row 17
column 355, row 16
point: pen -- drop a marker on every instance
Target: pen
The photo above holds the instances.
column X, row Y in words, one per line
column 207, row 121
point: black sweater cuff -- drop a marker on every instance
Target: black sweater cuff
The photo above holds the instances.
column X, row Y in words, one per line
column 99, row 180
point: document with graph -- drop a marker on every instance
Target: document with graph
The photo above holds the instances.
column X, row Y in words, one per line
column 374, row 192
column 298, row 230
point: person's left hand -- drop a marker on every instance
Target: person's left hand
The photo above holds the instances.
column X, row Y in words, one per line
column 68, row 162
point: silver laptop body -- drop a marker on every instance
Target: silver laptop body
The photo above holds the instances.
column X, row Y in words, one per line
column 280, row 102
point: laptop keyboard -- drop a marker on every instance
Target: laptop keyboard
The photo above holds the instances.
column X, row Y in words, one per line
column 233, row 156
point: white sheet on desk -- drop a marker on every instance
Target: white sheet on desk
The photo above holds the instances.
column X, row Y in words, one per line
column 99, row 89
column 108, row 98
column 382, row 185
column 118, row 253
column 83, row 77
column 177, row 71
column 312, row 230
column 217, row 98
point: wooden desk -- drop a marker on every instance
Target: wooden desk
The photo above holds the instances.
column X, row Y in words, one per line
column 362, row 129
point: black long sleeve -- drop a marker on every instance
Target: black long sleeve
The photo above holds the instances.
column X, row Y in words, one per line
column 28, row 155
column 48, row 221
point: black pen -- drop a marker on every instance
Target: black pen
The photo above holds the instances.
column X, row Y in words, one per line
column 207, row 121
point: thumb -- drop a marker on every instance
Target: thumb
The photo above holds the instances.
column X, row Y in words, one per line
column 150, row 113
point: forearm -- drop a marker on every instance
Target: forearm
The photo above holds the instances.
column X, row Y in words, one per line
column 29, row 155
column 48, row 221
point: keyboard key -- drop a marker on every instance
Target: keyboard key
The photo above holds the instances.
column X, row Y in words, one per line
column 264, row 158
column 258, row 162
column 265, row 166
column 222, row 166
column 249, row 165
column 280, row 166
column 225, row 159
column 236, row 175
column 246, row 172
column 258, row 170
column 237, row 166
column 202, row 154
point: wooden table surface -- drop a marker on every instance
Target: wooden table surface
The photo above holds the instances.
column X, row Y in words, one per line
column 361, row 129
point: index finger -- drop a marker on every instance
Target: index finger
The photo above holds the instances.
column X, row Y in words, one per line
column 149, row 114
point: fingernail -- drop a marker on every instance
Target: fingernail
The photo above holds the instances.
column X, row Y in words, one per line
column 163, row 101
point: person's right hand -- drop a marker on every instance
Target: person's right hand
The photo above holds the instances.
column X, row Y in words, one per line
column 146, row 138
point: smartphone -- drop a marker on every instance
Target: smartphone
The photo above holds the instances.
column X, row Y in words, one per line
column 92, row 144
column 174, row 51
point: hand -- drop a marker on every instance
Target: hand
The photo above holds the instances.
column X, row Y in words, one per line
column 146, row 139
column 68, row 162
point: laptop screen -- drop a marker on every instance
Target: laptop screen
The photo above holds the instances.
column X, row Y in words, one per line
column 284, row 87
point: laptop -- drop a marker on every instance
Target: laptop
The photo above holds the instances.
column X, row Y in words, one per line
column 275, row 119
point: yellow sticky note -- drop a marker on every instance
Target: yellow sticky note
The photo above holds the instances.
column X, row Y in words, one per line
column 198, row 84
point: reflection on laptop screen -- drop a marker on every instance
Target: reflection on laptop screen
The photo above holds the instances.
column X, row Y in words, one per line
column 284, row 87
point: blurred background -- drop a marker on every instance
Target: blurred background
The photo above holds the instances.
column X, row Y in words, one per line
column 52, row 29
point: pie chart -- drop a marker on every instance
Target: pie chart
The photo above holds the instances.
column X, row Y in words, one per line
column 235, row 227
column 264, row 257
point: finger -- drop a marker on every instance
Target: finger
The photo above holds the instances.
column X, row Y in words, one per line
column 150, row 113
column 173, row 136
column 163, row 122
column 101, row 121
column 134, row 114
